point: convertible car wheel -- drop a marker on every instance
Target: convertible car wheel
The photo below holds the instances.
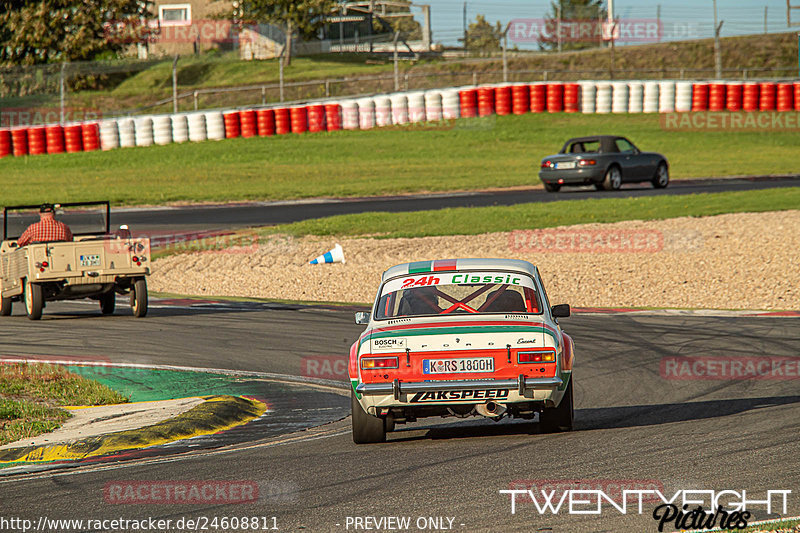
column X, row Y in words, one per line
column 552, row 187
column 613, row 179
column 661, row 179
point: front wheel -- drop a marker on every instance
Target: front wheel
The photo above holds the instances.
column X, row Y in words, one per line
column 34, row 300
column 108, row 302
column 139, row 298
column 559, row 418
column 366, row 428
column 613, row 179
column 552, row 187
column 5, row 307
column 661, row 179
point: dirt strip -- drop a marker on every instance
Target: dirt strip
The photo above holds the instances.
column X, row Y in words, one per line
column 735, row 261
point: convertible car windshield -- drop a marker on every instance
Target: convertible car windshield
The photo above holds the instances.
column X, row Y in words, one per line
column 457, row 293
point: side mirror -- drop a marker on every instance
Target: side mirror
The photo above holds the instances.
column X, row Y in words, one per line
column 362, row 317
column 560, row 311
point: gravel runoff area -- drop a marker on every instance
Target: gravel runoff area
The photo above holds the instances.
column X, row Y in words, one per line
column 734, row 261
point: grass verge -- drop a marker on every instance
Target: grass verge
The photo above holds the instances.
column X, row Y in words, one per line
column 30, row 395
column 468, row 154
column 476, row 220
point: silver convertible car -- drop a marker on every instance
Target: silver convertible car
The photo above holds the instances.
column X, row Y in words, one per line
column 605, row 161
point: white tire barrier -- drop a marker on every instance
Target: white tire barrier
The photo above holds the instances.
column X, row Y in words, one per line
column 180, row 128
column 197, row 126
column 603, row 98
column 683, row 96
column 162, row 129
column 109, row 135
column 451, row 104
column 127, row 133
column 399, row 108
column 416, row 106
column 650, row 104
column 588, row 96
column 666, row 96
column 143, row 129
column 635, row 97
column 383, row 110
column 619, row 99
column 349, row 114
column 366, row 113
column 215, row 126
column 433, row 106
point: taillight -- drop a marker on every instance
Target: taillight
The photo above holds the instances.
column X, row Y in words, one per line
column 135, row 259
column 370, row 363
column 547, row 164
column 536, row 357
column 586, row 162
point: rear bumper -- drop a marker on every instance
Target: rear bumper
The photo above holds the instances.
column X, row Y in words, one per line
column 576, row 176
column 523, row 386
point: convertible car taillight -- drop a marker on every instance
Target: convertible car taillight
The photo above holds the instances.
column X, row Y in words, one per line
column 547, row 164
column 536, row 357
column 586, row 162
column 368, row 363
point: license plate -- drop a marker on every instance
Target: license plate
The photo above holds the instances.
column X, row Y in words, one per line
column 458, row 365
column 90, row 260
column 566, row 164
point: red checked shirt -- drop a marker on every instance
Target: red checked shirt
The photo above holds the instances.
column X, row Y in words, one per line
column 48, row 229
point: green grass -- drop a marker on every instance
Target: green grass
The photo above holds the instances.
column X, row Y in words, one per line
column 476, row 220
column 468, row 154
column 31, row 393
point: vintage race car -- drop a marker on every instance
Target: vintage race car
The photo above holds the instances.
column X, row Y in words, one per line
column 457, row 338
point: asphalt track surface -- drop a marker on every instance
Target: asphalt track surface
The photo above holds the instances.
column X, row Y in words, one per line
column 632, row 424
column 204, row 218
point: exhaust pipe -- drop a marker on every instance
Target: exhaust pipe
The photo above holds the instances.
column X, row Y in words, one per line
column 490, row 409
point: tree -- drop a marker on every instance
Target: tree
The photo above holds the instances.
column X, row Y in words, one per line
column 408, row 26
column 303, row 16
column 576, row 17
column 482, row 37
column 68, row 30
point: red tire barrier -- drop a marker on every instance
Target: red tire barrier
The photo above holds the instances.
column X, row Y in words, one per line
column 785, row 97
column 538, row 98
column 36, row 141
column 699, row 97
column 316, row 118
column 333, row 117
column 232, row 125
column 797, row 96
column 555, row 97
column 266, row 122
column 55, row 139
column 247, row 123
column 766, row 101
column 520, row 99
column 73, row 140
column 90, row 132
column 750, row 97
column 485, row 101
column 299, row 119
column 468, row 98
column 283, row 124
column 572, row 95
column 733, row 98
column 19, row 141
column 5, row 144
column 502, row 100
column 717, row 94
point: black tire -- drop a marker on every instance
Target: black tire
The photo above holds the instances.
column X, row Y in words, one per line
column 613, row 179
column 139, row 298
column 108, row 302
column 661, row 179
column 552, row 187
column 367, row 429
column 34, row 300
column 559, row 418
column 5, row 307
column 599, row 186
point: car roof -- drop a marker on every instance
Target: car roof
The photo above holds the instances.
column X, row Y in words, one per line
column 419, row 267
column 595, row 138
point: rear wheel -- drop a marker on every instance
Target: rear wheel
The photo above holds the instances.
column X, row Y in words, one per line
column 366, row 428
column 139, row 298
column 559, row 418
column 108, row 302
column 613, row 179
column 552, row 187
column 5, row 307
column 34, row 300
column 661, row 179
